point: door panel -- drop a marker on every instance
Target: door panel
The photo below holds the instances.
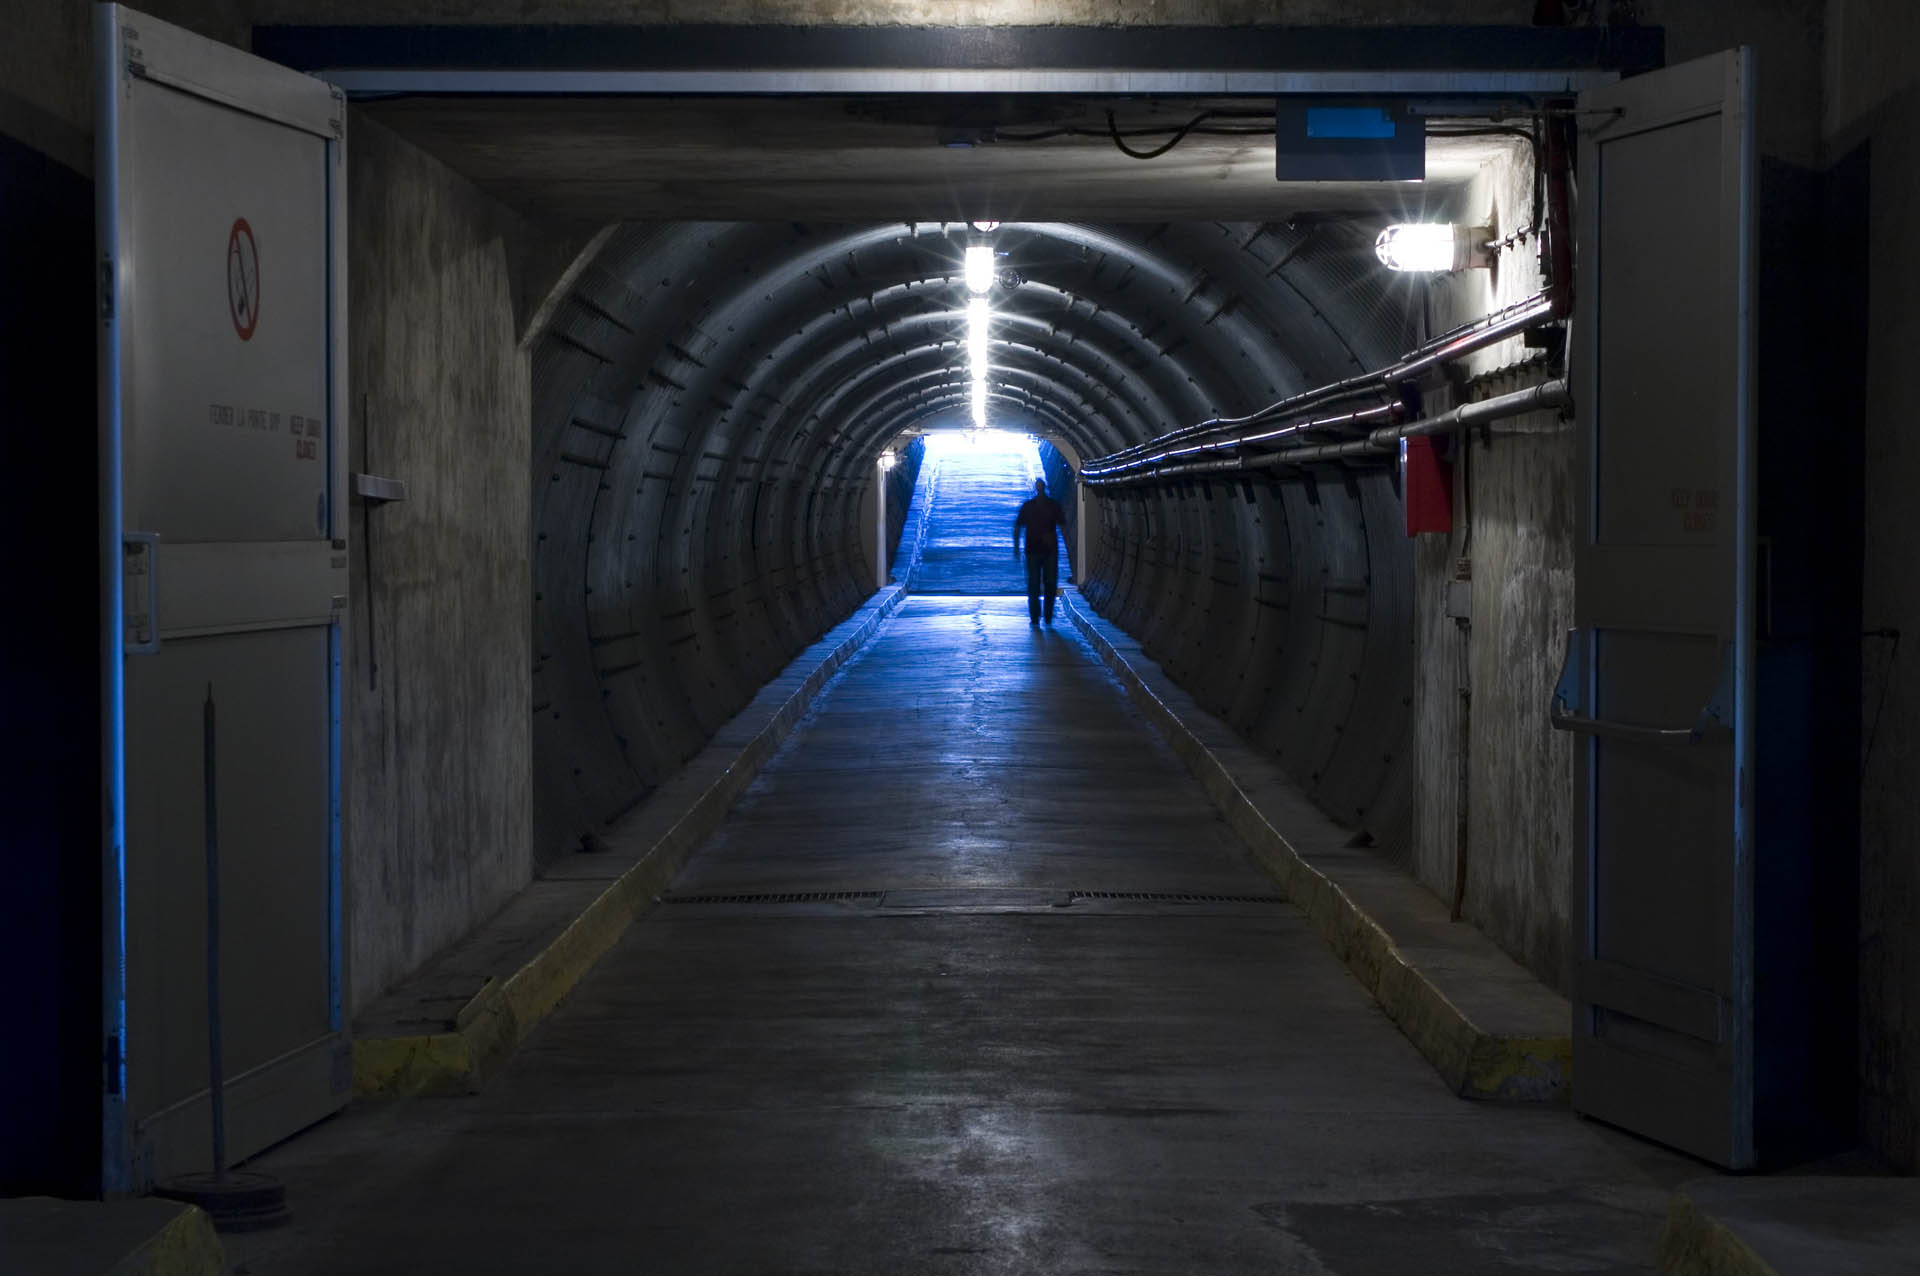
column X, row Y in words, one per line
column 1659, row 667
column 273, row 796
column 1648, row 380
column 221, row 218
column 229, row 233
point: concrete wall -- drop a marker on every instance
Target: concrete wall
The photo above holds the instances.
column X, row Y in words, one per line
column 46, row 57
column 1873, row 100
column 438, row 794
column 1513, row 531
column 1787, row 38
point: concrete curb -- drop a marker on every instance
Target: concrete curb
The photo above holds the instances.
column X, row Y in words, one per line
column 1793, row 1225
column 1694, row 1243
column 493, row 1024
column 127, row 1236
column 186, row 1246
column 1475, row 1064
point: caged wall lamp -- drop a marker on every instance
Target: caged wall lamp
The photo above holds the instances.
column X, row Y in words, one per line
column 1433, row 246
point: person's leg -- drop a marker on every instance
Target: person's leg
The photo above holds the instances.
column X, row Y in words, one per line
column 1033, row 589
column 1052, row 567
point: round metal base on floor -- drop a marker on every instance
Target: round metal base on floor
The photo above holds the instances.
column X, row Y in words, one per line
column 239, row 1201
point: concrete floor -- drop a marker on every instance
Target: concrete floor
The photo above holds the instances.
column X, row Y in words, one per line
column 962, row 1074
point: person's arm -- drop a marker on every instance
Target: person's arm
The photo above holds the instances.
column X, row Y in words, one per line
column 1016, row 531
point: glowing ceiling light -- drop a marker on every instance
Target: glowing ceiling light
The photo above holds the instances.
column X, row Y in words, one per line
column 1431, row 246
column 978, row 317
column 979, row 268
column 985, row 227
column 979, row 405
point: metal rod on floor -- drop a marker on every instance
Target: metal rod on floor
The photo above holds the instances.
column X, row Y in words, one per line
column 216, row 1083
column 236, row 1200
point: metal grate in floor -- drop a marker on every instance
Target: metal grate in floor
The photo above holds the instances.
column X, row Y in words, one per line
column 1165, row 897
column 1002, row 899
column 780, row 897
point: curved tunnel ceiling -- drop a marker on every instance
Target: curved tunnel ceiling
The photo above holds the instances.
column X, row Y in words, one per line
column 710, row 399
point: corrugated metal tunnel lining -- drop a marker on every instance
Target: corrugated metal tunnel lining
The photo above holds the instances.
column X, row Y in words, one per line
column 710, row 399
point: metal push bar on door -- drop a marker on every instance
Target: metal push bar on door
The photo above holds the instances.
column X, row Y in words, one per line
column 1567, row 712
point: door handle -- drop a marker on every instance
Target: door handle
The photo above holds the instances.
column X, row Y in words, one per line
column 140, row 592
column 1567, row 711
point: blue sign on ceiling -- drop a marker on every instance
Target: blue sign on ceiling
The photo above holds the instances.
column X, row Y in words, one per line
column 1348, row 140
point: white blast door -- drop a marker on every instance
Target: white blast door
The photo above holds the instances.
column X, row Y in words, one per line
column 221, row 183
column 1660, row 669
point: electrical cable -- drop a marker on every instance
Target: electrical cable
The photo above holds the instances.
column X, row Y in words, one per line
column 1113, row 131
column 1117, row 135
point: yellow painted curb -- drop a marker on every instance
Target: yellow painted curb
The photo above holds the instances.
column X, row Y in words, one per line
column 186, row 1246
column 1693, row 1244
column 391, row 1066
column 491, row 1027
column 1475, row 1064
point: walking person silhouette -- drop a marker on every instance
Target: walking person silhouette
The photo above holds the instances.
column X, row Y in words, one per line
column 1042, row 519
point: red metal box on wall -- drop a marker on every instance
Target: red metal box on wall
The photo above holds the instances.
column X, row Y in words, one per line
column 1426, row 480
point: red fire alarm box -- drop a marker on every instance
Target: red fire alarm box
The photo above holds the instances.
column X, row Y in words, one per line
column 1426, row 481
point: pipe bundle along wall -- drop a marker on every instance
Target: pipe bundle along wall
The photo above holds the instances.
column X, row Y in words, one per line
column 710, row 400
column 1173, row 453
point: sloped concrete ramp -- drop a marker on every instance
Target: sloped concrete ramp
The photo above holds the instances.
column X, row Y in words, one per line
column 974, row 979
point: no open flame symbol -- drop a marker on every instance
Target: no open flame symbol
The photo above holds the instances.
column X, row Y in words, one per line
column 243, row 279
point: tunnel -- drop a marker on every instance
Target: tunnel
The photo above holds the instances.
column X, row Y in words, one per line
column 550, row 744
column 704, row 440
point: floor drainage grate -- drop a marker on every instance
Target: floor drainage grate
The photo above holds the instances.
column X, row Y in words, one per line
column 781, row 897
column 1162, row 897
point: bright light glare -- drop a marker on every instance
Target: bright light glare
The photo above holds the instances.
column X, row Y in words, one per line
column 1422, row 246
column 980, row 268
column 978, row 318
column 979, row 315
column 985, row 442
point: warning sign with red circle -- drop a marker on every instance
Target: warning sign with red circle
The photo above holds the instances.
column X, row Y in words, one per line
column 243, row 279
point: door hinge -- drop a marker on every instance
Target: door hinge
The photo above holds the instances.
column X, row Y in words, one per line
column 106, row 289
column 113, row 1064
